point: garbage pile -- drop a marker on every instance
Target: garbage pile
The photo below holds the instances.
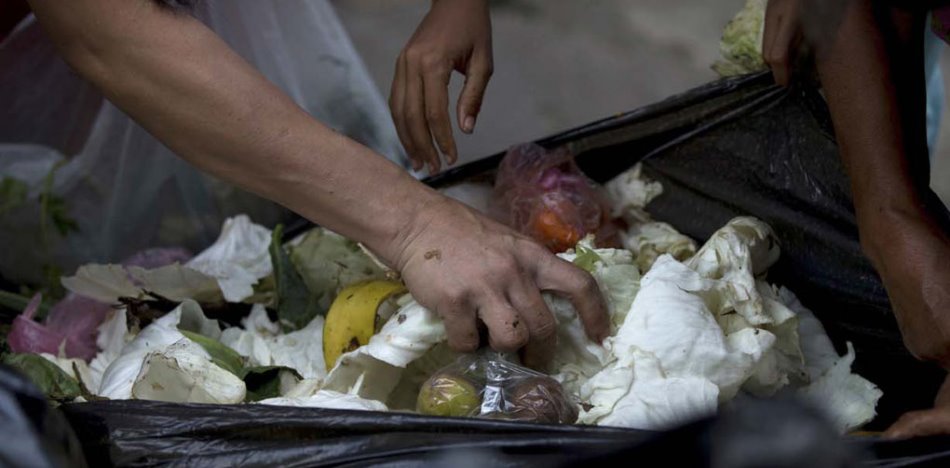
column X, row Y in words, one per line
column 318, row 322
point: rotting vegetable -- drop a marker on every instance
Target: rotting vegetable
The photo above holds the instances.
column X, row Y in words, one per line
column 691, row 328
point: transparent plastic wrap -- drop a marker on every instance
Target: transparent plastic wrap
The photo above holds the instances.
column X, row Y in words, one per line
column 543, row 194
column 488, row 386
column 82, row 182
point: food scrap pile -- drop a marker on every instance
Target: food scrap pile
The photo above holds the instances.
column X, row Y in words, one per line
column 317, row 322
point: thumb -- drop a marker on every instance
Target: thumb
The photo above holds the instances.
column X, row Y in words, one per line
column 479, row 71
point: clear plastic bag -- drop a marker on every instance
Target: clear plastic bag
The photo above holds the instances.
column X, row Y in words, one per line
column 98, row 187
column 485, row 385
column 544, row 195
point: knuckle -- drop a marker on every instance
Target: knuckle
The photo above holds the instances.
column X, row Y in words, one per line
column 507, row 264
column 466, row 343
column 454, row 297
column 432, row 62
column 413, row 54
column 510, row 340
column 583, row 283
column 485, row 70
column 433, row 114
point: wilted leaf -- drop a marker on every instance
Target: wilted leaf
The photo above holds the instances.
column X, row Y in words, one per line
column 263, row 382
column 224, row 357
column 296, row 306
column 586, row 258
column 51, row 380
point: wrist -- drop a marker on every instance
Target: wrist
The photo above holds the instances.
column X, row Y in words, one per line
column 884, row 229
column 417, row 213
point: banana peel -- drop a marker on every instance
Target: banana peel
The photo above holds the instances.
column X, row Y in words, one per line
column 354, row 315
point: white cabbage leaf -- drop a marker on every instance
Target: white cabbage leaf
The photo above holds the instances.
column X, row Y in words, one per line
column 127, row 368
column 262, row 343
column 238, row 259
column 104, row 283
column 741, row 45
column 649, row 240
column 848, row 398
column 183, row 373
column 108, row 283
column 635, row 393
column 630, row 193
column 577, row 358
column 327, row 399
column 733, row 257
column 373, row 371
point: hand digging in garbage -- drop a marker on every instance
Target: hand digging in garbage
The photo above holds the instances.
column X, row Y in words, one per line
column 183, row 84
column 870, row 60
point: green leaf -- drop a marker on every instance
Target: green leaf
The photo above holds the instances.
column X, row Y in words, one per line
column 586, row 258
column 53, row 207
column 223, row 356
column 12, row 194
column 328, row 262
column 263, row 382
column 296, row 306
column 51, row 380
column 63, row 223
column 17, row 302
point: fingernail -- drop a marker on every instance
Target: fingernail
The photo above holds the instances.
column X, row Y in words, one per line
column 469, row 124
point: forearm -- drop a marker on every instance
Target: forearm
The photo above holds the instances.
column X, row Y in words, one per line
column 878, row 114
column 185, row 86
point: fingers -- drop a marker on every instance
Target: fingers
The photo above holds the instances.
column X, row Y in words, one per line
column 436, row 82
column 419, row 104
column 459, row 318
column 781, row 37
column 506, row 331
column 480, row 69
column 397, row 106
column 943, row 395
column 773, row 14
column 563, row 278
column 415, row 114
column 542, row 327
column 920, row 424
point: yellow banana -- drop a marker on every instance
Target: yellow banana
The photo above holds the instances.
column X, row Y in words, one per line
column 352, row 318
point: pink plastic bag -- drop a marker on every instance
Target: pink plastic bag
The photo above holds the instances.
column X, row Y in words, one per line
column 543, row 194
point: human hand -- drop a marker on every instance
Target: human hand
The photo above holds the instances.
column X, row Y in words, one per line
column 935, row 421
column 467, row 267
column 782, row 38
column 454, row 35
column 910, row 253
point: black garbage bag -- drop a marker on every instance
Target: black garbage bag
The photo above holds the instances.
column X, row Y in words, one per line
column 34, row 435
column 744, row 146
column 753, row 433
column 749, row 433
column 739, row 146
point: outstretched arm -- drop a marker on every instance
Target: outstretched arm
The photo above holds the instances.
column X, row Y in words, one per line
column 183, row 84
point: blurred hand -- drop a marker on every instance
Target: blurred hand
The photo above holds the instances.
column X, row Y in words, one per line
column 925, row 423
column 469, row 268
column 912, row 256
column 782, row 38
column 454, row 35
